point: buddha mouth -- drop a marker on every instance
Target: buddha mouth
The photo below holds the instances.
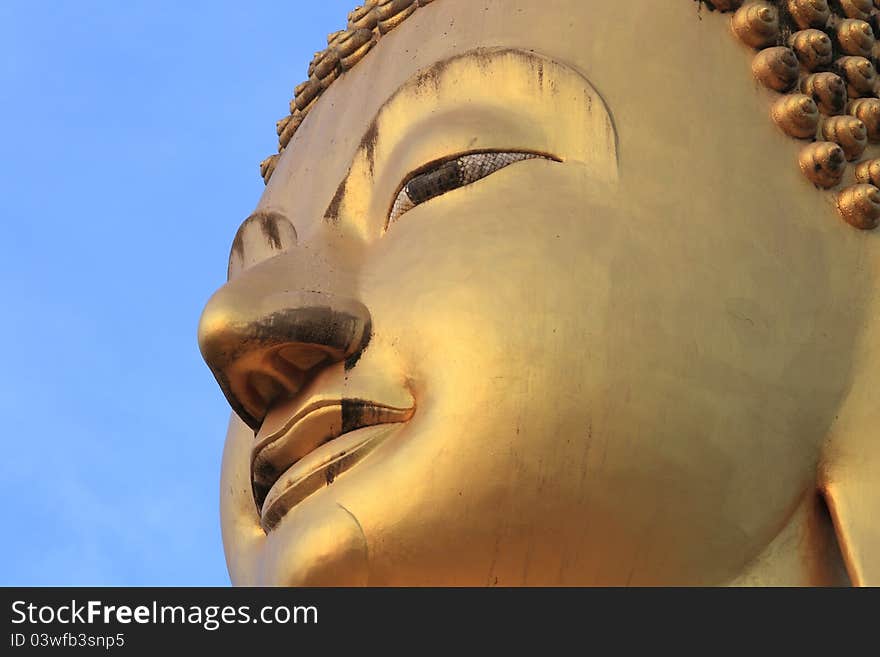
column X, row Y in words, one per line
column 303, row 447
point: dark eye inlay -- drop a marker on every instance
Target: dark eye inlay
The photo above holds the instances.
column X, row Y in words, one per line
column 453, row 174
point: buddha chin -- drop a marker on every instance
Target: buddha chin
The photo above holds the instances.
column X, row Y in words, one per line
column 530, row 302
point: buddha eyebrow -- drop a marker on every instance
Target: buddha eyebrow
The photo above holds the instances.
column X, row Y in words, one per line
column 331, row 214
column 367, row 145
column 429, row 76
column 268, row 221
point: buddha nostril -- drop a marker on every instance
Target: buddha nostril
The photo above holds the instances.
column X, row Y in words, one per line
column 274, row 343
column 279, row 374
column 303, row 357
column 263, row 390
column 289, row 377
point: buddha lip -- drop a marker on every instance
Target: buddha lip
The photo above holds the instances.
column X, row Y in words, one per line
column 309, row 429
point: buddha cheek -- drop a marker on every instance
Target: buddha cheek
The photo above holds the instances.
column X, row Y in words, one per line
column 559, row 407
column 498, row 332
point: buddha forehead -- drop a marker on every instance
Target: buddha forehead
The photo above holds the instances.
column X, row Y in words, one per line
column 663, row 101
column 678, row 126
column 830, row 65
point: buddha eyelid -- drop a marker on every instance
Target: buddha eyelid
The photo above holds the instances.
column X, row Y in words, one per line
column 437, row 178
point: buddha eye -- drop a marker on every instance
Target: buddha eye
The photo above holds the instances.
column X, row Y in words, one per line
column 451, row 174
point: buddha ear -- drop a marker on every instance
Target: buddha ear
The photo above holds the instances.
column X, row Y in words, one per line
column 849, row 479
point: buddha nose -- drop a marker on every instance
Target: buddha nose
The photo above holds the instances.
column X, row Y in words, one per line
column 263, row 342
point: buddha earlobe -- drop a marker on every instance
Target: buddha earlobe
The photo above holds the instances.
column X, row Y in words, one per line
column 850, row 461
column 851, row 489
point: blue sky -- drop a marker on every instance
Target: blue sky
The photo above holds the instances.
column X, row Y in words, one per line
column 131, row 135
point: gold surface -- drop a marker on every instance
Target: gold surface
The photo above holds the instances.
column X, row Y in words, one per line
column 651, row 359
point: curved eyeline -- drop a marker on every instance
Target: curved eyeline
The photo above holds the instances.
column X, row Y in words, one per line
column 309, row 429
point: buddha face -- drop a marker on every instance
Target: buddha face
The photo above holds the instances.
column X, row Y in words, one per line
column 533, row 296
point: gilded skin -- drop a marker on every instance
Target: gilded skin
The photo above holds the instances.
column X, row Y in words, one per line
column 643, row 358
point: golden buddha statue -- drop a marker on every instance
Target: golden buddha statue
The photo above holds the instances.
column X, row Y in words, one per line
column 581, row 292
